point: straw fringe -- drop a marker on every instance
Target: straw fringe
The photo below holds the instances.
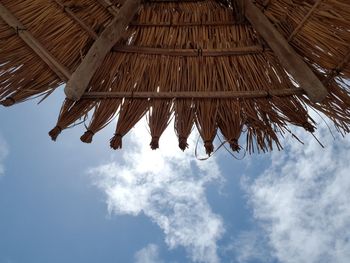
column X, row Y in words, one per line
column 184, row 110
column 160, row 110
column 105, row 110
column 70, row 112
column 131, row 110
column 230, row 122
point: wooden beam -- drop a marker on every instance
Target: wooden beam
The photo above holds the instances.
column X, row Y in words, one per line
column 61, row 71
column 305, row 19
column 73, row 16
column 191, row 52
column 266, row 3
column 286, row 55
column 109, row 6
column 187, row 24
column 195, row 94
column 338, row 69
column 81, row 78
column 174, row 1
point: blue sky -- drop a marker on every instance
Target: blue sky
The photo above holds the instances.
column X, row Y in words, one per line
column 71, row 202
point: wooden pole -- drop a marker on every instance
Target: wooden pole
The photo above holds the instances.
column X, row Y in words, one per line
column 81, row 78
column 195, row 94
column 112, row 9
column 335, row 72
column 61, row 71
column 191, row 52
column 71, row 14
column 286, row 55
column 304, row 21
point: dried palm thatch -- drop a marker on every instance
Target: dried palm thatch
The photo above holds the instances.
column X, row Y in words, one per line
column 206, row 63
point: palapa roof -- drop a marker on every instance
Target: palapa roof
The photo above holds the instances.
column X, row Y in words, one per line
column 209, row 64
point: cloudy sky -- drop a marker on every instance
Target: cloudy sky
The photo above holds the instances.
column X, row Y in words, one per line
column 71, row 202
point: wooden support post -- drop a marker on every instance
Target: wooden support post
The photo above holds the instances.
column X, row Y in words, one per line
column 81, row 78
column 61, row 71
column 286, row 55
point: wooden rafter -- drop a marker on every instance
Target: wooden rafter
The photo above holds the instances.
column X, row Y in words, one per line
column 217, row 52
column 304, row 21
column 61, row 71
column 286, row 55
column 81, row 78
column 266, row 3
column 175, row 1
column 335, row 72
column 195, row 94
column 112, row 9
column 187, row 24
column 73, row 16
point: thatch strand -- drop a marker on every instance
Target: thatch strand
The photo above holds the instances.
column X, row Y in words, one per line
column 184, row 109
column 230, row 122
column 70, row 112
column 105, row 110
column 160, row 110
column 131, row 110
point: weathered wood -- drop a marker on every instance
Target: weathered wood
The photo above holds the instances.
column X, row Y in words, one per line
column 338, row 69
column 81, row 78
column 112, row 9
column 305, row 19
column 61, row 71
column 286, row 55
column 73, row 16
column 195, row 94
column 188, row 24
column 266, row 3
column 175, row 1
column 191, row 52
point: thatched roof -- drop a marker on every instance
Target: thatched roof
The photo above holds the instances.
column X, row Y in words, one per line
column 206, row 63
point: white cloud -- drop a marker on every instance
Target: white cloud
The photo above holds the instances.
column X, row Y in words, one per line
column 3, row 154
column 302, row 200
column 168, row 186
column 148, row 254
column 249, row 246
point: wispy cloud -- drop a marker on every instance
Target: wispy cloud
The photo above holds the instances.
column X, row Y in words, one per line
column 168, row 186
column 302, row 201
column 148, row 254
column 3, row 154
column 249, row 246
